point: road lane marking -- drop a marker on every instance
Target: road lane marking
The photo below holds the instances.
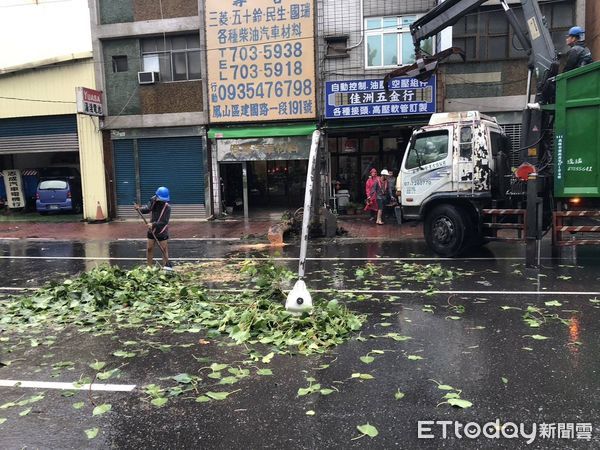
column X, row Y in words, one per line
column 420, row 291
column 69, row 386
column 380, row 291
column 260, row 258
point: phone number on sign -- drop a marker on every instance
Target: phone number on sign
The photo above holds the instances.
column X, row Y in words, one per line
column 268, row 51
column 252, row 71
column 268, row 89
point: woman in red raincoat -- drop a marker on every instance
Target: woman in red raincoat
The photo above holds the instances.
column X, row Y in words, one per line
column 372, row 187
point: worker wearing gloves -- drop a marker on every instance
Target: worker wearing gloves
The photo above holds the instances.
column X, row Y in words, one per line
column 578, row 55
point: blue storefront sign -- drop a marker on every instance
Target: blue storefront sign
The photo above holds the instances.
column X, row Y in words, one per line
column 367, row 98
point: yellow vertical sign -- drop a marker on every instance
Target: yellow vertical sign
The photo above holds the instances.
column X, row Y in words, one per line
column 261, row 60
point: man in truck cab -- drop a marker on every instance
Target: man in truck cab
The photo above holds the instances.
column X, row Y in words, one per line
column 578, row 55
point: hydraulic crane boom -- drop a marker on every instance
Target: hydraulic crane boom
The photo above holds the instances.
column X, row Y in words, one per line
column 535, row 39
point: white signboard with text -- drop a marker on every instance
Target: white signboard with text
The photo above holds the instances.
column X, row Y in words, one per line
column 14, row 188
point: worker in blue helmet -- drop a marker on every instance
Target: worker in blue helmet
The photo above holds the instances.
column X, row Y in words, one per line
column 578, row 55
column 158, row 226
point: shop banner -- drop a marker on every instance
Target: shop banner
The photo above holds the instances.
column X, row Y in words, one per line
column 263, row 149
column 261, row 60
column 14, row 188
column 367, row 98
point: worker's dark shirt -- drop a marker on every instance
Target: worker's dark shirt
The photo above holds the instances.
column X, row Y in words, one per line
column 161, row 213
column 577, row 56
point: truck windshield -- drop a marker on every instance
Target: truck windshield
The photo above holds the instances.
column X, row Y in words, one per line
column 427, row 148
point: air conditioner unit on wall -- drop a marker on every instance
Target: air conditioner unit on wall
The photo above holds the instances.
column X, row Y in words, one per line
column 148, row 77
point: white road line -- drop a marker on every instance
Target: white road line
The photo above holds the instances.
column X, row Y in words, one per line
column 421, row 291
column 260, row 258
column 69, row 386
column 388, row 292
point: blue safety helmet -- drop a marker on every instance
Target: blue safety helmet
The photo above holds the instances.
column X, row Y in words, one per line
column 162, row 194
column 576, row 32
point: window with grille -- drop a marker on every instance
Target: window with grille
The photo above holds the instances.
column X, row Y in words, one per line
column 176, row 58
column 486, row 35
column 388, row 42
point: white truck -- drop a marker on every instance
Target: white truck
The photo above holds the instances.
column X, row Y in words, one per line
column 454, row 171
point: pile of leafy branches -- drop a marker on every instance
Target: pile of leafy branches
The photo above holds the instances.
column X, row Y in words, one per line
column 108, row 297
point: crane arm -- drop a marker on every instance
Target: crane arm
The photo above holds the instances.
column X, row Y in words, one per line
column 534, row 38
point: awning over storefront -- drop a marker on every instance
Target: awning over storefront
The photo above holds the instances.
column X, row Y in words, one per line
column 262, row 131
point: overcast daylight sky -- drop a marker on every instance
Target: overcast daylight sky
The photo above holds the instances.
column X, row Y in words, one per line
column 32, row 32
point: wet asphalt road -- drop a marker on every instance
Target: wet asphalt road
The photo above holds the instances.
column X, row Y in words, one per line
column 468, row 333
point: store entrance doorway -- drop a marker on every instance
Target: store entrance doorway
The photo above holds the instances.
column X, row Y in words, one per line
column 277, row 184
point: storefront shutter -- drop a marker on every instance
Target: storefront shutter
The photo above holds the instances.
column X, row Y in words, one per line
column 176, row 163
column 124, row 163
column 39, row 134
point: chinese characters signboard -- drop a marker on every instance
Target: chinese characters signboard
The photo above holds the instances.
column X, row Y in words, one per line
column 262, row 149
column 89, row 102
column 261, row 60
column 367, row 98
column 14, row 188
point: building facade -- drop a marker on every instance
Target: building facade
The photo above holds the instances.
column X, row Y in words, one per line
column 40, row 129
column 262, row 97
column 359, row 43
column 150, row 63
column 217, row 100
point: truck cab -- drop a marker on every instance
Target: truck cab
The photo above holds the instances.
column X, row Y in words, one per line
column 452, row 169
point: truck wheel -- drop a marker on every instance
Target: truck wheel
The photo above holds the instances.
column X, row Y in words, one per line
column 446, row 230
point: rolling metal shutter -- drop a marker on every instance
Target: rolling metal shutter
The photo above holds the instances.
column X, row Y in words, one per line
column 39, row 134
column 124, row 163
column 176, row 163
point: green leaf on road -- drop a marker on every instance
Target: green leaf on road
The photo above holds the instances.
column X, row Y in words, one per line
column 445, row 387
column 326, row 391
column 264, row 372
column 267, row 358
column 2, row 420
column 219, row 395
column 98, row 366
column 215, row 367
column 451, row 395
column 414, row 357
column 460, row 403
column 124, row 354
column 310, row 413
column 101, row 409
column 159, row 402
column 78, row 405
column 91, row 433
column 362, row 376
column 229, row 380
column 538, row 337
column 202, row 399
column 553, row 303
column 368, row 430
column 107, row 374
column 183, row 378
column 367, row 359
column 25, row 412
column 399, row 395
column 504, row 380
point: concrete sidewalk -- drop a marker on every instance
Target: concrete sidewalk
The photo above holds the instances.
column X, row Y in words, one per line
column 358, row 227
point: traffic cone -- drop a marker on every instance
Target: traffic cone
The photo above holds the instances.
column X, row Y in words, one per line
column 99, row 214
